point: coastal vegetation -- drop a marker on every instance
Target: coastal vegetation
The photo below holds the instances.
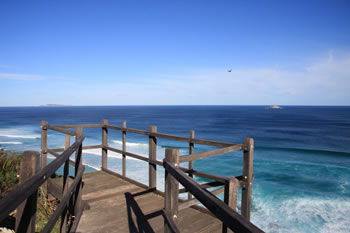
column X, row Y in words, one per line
column 9, row 178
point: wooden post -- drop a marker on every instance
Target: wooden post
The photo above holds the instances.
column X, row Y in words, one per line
column 152, row 168
column 64, row 215
column 124, row 149
column 230, row 196
column 104, row 144
column 26, row 212
column 78, row 166
column 44, row 143
column 248, row 177
column 44, row 125
column 190, row 163
column 171, row 199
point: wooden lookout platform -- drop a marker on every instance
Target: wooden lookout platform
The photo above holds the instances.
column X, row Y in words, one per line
column 107, row 201
column 125, row 207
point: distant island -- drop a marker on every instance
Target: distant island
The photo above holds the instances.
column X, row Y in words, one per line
column 274, row 107
column 55, row 105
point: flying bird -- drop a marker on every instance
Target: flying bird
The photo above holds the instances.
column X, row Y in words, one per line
column 229, row 70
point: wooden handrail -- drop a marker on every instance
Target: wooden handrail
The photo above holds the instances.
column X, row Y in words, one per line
column 62, row 130
column 23, row 191
column 80, row 126
column 194, row 201
column 207, row 154
column 229, row 217
column 63, row 202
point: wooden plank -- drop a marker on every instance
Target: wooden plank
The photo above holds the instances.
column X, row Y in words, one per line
column 233, row 220
column 136, row 156
column 152, row 155
column 124, row 149
column 171, row 199
column 137, row 131
column 84, row 148
column 173, row 137
column 58, row 155
column 204, row 175
column 23, row 191
column 26, row 212
column 80, row 126
column 194, row 201
column 104, row 143
column 61, row 130
column 230, row 196
column 64, row 215
column 92, row 147
column 205, row 185
column 248, row 175
column 190, row 163
column 169, row 222
column 44, row 125
column 54, row 189
column 78, row 167
column 211, row 153
column 63, row 203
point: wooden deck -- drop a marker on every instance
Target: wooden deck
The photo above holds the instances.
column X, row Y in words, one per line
column 116, row 205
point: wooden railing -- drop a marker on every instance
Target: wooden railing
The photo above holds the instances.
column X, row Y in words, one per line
column 230, row 186
column 225, row 211
column 24, row 197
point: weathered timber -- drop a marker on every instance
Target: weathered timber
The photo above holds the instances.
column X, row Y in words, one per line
column 105, row 194
column 26, row 212
column 190, row 163
column 104, row 143
column 211, row 153
column 194, row 201
column 230, row 196
column 169, row 222
column 61, row 130
column 171, row 200
column 173, row 137
column 44, row 125
column 232, row 219
column 64, row 215
column 58, row 155
column 80, row 126
column 64, row 201
column 152, row 155
column 23, row 191
column 84, row 148
column 124, row 149
column 205, row 185
column 78, row 167
column 248, row 175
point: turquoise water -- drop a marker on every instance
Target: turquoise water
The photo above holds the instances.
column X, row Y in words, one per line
column 301, row 159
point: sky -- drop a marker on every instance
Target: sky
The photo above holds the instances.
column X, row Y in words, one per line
column 174, row 52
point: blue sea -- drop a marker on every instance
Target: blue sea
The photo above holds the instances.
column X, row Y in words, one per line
column 301, row 157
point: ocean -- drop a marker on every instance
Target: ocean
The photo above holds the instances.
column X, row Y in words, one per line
column 301, row 157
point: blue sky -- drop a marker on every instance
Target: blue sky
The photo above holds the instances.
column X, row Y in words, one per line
column 174, row 52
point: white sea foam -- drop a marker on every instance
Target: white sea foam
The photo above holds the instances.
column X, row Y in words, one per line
column 110, row 154
column 131, row 144
column 18, row 133
column 12, row 143
column 20, row 136
column 304, row 214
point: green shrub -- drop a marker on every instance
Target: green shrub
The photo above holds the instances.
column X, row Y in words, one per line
column 9, row 168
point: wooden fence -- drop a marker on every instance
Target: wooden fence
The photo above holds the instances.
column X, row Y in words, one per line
column 230, row 186
column 24, row 197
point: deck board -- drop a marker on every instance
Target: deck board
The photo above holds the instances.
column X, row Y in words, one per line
column 116, row 205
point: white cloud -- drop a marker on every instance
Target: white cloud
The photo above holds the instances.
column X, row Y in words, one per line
column 13, row 76
column 325, row 82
